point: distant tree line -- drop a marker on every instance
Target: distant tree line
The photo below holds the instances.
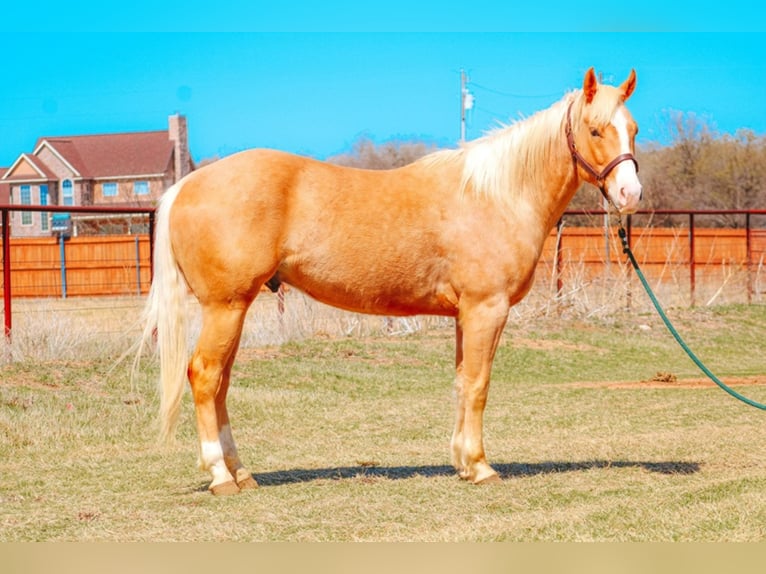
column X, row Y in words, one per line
column 698, row 169
column 702, row 169
column 366, row 154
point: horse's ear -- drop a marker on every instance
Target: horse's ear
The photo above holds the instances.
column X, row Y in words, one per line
column 590, row 85
column 628, row 85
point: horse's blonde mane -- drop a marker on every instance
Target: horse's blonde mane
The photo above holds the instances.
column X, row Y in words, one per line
column 513, row 158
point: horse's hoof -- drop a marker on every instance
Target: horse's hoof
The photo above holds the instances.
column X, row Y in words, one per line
column 491, row 479
column 225, row 489
column 245, row 480
column 247, row 483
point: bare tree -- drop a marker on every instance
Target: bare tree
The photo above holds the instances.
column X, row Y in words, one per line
column 701, row 169
column 391, row 154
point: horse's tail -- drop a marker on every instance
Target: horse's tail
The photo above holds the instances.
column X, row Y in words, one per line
column 165, row 317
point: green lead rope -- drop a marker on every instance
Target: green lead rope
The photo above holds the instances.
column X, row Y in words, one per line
column 684, row 346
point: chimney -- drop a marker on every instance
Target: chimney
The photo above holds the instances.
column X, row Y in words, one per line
column 177, row 133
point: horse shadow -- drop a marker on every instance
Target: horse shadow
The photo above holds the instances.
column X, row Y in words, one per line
column 509, row 470
column 505, row 471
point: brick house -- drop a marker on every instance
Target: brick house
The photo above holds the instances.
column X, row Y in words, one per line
column 124, row 169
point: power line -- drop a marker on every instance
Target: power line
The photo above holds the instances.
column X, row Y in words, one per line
column 512, row 95
column 493, row 114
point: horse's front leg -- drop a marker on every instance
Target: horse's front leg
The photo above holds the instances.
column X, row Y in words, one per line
column 477, row 336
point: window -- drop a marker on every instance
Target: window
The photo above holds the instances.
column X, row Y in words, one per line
column 67, row 192
column 44, row 201
column 141, row 187
column 25, row 197
column 109, row 189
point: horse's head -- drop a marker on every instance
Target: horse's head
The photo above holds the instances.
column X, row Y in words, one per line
column 601, row 137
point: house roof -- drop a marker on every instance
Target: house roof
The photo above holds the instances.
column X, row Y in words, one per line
column 27, row 167
column 5, row 189
column 39, row 166
column 113, row 155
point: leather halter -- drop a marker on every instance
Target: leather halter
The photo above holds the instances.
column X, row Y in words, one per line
column 577, row 157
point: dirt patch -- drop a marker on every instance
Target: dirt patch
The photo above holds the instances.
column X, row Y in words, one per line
column 52, row 376
column 670, row 381
column 260, row 354
column 360, row 355
column 552, row 344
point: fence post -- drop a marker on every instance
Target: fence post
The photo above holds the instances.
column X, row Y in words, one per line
column 7, row 275
column 692, row 263
column 151, row 246
column 559, row 257
column 138, row 267
column 629, row 233
column 62, row 257
column 749, row 262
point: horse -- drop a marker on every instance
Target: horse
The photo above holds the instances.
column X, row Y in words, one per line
column 457, row 233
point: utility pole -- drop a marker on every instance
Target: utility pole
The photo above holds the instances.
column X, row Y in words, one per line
column 466, row 102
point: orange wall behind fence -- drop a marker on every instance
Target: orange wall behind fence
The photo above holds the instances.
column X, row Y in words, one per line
column 656, row 249
column 119, row 265
column 95, row 265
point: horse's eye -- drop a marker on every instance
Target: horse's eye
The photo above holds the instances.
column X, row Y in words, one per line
column 595, row 133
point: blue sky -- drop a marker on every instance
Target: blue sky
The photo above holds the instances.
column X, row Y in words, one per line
column 314, row 92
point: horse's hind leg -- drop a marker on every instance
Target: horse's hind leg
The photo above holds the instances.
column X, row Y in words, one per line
column 209, row 372
column 242, row 476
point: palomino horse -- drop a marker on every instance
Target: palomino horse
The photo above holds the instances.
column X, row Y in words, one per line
column 458, row 233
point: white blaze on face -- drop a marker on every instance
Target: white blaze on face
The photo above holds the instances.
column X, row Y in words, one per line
column 625, row 189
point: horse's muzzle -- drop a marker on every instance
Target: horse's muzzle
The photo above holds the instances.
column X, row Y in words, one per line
column 629, row 198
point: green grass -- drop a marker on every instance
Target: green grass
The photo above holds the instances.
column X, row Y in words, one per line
column 348, row 438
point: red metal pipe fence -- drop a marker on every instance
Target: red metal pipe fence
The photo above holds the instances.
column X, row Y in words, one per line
column 6, row 273
column 582, row 240
column 693, row 232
